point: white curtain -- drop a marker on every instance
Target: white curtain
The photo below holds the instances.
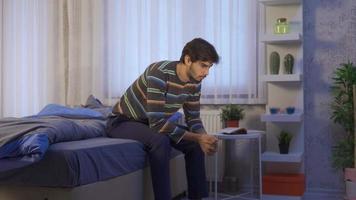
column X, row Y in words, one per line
column 1, row 66
column 31, row 65
column 86, row 50
column 60, row 51
column 112, row 42
column 232, row 27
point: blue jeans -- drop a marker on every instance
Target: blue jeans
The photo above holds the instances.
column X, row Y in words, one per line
column 158, row 148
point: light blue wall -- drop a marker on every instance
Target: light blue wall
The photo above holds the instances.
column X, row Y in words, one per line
column 329, row 39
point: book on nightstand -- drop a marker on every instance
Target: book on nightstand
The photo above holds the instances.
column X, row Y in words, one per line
column 233, row 131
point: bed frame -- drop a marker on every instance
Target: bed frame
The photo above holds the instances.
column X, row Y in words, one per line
column 134, row 186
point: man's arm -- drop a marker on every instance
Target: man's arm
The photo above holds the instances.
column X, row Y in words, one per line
column 191, row 108
column 157, row 114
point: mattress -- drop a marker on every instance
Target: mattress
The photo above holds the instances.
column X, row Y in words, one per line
column 74, row 163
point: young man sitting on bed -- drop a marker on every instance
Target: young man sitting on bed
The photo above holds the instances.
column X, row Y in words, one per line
column 147, row 112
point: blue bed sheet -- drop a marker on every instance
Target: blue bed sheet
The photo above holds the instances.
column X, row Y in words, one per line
column 73, row 163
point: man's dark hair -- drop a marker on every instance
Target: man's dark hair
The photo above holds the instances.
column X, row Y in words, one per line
column 200, row 49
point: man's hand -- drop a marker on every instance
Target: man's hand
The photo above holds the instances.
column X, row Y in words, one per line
column 208, row 143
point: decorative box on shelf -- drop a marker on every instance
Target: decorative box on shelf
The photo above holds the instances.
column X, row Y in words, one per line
column 282, row 78
column 284, row 184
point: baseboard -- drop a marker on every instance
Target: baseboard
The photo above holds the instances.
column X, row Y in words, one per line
column 323, row 194
column 311, row 193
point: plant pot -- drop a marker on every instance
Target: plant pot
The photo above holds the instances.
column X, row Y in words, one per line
column 350, row 189
column 283, row 148
column 350, row 174
column 232, row 123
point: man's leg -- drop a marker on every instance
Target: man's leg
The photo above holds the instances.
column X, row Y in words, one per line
column 158, row 148
column 195, row 168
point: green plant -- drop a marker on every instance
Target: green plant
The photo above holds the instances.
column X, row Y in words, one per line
column 284, row 137
column 342, row 154
column 343, row 113
column 274, row 61
column 288, row 64
column 232, row 112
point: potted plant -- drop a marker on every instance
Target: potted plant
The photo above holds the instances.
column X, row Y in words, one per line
column 343, row 112
column 231, row 115
column 284, row 139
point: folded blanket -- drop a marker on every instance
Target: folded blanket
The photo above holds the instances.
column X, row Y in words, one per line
column 23, row 151
column 25, row 140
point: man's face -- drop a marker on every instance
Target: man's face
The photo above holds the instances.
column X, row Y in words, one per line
column 199, row 70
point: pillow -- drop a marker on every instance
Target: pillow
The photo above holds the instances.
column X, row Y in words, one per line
column 95, row 104
column 64, row 111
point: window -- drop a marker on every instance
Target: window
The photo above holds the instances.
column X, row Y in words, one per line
column 147, row 31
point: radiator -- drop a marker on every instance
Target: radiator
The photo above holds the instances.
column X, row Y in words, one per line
column 211, row 120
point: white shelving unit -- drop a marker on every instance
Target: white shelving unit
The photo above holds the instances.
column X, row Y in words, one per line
column 279, row 2
column 268, row 156
column 281, row 39
column 280, row 197
column 282, row 78
column 296, row 117
column 282, row 90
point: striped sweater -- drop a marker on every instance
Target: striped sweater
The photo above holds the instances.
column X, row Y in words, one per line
column 157, row 95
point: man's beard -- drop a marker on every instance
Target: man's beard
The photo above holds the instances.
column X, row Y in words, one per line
column 192, row 79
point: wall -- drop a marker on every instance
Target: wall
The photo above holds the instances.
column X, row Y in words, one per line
column 329, row 39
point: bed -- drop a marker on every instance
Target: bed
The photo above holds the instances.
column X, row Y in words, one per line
column 90, row 166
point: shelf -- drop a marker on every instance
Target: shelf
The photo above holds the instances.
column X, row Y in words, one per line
column 282, row 38
column 279, row 2
column 280, row 197
column 282, row 90
column 269, row 156
column 281, row 78
column 296, row 117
